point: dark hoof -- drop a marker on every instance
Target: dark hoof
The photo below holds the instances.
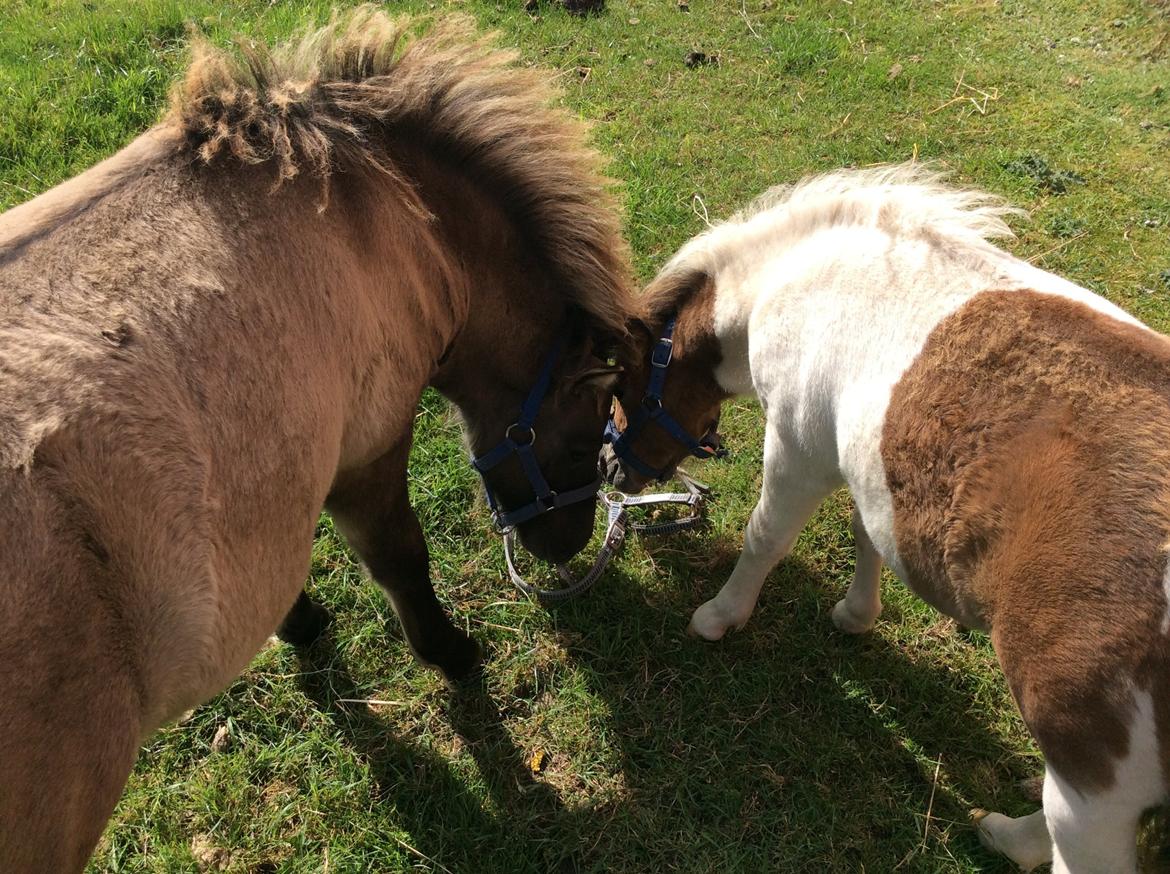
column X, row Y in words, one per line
column 305, row 622
column 462, row 662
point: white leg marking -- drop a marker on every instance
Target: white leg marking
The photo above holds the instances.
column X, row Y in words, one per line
column 862, row 604
column 786, row 502
column 1098, row 833
column 1024, row 839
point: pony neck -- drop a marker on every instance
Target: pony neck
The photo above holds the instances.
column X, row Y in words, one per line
column 507, row 311
column 842, row 256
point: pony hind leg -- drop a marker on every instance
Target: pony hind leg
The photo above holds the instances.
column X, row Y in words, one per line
column 862, row 604
column 787, row 500
column 1085, row 828
column 1096, row 833
column 372, row 509
column 1079, row 833
column 1023, row 839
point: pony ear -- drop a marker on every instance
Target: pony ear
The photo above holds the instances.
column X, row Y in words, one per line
column 602, row 378
column 639, row 339
column 639, row 330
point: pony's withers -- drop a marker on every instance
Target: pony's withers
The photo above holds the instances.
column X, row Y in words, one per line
column 226, row 326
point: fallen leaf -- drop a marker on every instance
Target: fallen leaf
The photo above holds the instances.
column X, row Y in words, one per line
column 209, row 857
column 222, row 739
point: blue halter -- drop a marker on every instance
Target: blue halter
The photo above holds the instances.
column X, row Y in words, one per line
column 651, row 410
column 518, row 440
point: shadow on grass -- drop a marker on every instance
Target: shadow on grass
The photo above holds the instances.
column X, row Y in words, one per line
column 414, row 782
column 787, row 745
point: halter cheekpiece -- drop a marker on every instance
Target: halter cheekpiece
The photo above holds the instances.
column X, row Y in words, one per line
column 519, row 438
column 651, row 410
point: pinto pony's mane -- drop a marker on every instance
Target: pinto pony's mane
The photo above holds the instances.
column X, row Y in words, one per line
column 894, row 198
column 900, row 199
column 330, row 99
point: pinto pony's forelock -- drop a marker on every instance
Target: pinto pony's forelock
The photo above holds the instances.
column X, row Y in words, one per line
column 669, row 292
column 331, row 100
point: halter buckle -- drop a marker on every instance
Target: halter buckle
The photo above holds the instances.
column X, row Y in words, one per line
column 662, row 353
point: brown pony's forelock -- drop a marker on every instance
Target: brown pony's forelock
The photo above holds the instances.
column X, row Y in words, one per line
column 329, row 100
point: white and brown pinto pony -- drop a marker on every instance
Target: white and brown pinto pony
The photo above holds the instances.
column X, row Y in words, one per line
column 1005, row 435
column 228, row 325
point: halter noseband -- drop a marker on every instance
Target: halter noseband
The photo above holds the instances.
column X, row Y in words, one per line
column 545, row 499
column 651, row 410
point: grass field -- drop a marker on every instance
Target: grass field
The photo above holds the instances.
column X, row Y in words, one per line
column 787, row 747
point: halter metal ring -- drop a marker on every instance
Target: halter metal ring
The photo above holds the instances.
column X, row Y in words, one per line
column 618, row 525
column 531, row 434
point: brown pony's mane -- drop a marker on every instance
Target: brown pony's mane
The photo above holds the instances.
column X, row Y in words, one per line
column 329, row 99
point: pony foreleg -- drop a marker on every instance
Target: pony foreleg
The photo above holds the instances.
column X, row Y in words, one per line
column 305, row 622
column 372, row 509
column 862, row 604
column 786, row 503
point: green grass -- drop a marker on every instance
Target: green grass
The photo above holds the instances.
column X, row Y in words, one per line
column 787, row 747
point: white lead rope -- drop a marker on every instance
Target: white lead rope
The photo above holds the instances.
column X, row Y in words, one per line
column 617, row 525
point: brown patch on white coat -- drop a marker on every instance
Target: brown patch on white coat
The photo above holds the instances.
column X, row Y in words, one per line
column 1027, row 451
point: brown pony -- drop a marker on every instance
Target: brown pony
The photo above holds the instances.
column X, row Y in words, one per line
column 226, row 326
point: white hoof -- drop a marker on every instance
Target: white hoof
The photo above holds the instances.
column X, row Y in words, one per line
column 845, row 621
column 1023, row 840
column 710, row 622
